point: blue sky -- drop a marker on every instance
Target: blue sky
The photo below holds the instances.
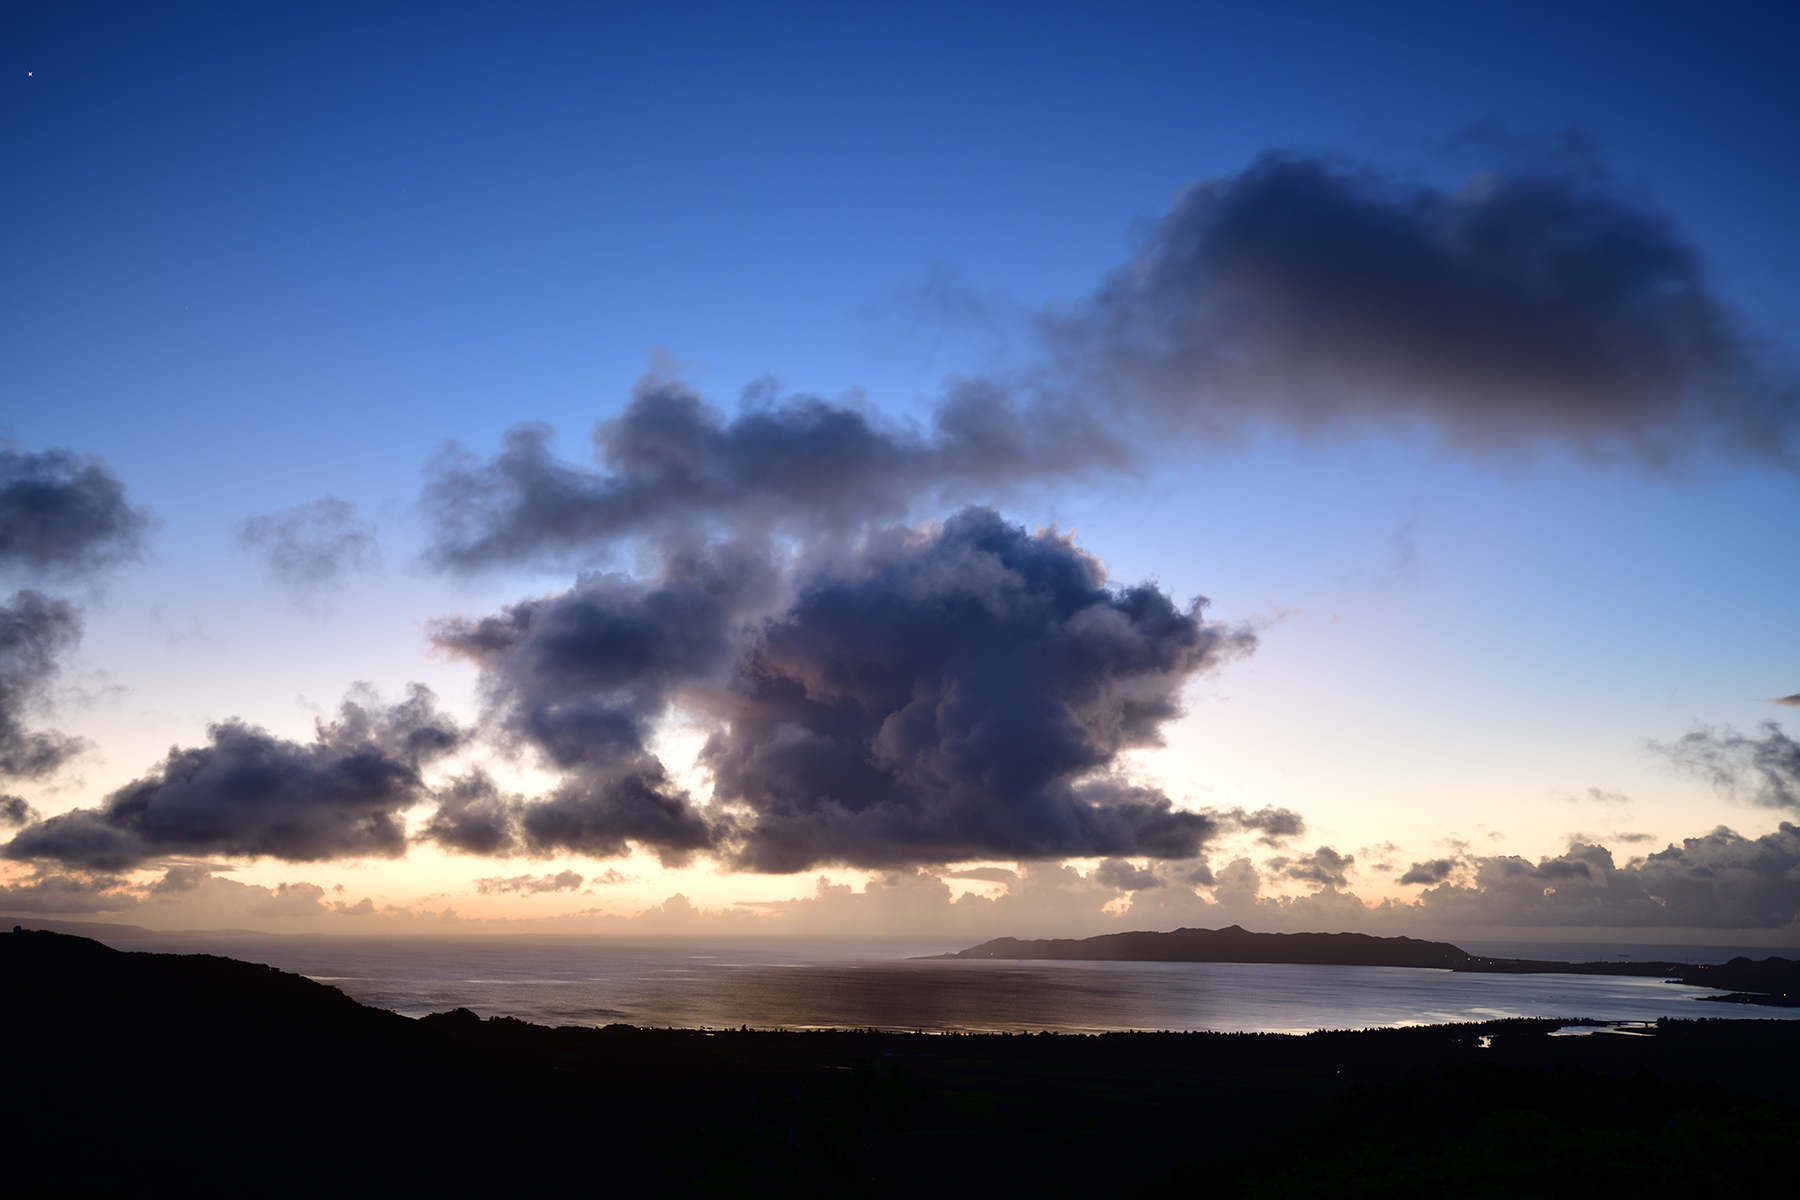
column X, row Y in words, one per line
column 261, row 257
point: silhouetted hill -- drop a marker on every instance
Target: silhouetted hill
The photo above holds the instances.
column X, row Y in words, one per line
column 132, row 1074
column 1231, row 944
column 1771, row 981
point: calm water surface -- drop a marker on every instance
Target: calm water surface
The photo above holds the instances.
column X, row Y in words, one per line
column 821, row 984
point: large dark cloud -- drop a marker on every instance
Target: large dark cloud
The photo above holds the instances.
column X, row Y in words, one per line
column 934, row 695
column 35, row 630
column 64, row 514
column 958, row 694
column 1721, row 880
column 1321, row 295
column 249, row 793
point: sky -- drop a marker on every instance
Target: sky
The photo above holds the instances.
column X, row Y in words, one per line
column 901, row 469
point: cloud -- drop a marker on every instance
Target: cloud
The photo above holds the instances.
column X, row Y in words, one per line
column 1324, row 866
column 290, row 900
column 1303, row 294
column 1603, row 796
column 1789, row 701
column 1127, row 877
column 532, row 885
column 51, row 891
column 473, row 816
column 1720, row 880
column 312, row 547
column 1435, row 871
column 15, row 811
column 983, row 874
column 958, row 693
column 65, row 515
column 954, row 692
column 181, row 878
column 35, row 630
column 1767, row 768
column 249, row 793
column 671, row 467
column 1323, row 296
column 1276, row 825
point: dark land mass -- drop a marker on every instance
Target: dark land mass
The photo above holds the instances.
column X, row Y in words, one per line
column 1775, row 980
column 161, row 1075
column 112, row 932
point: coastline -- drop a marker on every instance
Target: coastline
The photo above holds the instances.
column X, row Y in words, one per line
column 257, row 1058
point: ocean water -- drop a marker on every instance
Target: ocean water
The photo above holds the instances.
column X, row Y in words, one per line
column 824, row 984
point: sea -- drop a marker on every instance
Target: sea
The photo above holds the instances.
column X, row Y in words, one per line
column 827, row 984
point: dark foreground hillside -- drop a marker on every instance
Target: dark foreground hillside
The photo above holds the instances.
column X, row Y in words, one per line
column 163, row 1075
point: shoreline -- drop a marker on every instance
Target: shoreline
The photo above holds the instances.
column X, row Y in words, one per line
column 245, row 1060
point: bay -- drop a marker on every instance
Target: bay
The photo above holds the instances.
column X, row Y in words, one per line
column 820, row 984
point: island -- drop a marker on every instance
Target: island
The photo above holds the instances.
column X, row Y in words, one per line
column 1773, row 981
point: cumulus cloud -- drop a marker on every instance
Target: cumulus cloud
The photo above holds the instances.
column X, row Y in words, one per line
column 532, row 885
column 1324, row 866
column 960, row 693
column 65, row 515
column 49, row 890
column 1720, row 880
column 938, row 694
column 671, row 466
column 35, row 630
column 1126, row 876
column 473, row 816
column 1765, row 768
column 289, row 900
column 249, row 793
column 1324, row 296
column 1434, row 871
column 1276, row 825
column 311, row 548
column 1788, row 701
column 15, row 811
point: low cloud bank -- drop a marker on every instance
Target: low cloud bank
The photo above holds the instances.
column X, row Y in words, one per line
column 1720, row 880
column 248, row 793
